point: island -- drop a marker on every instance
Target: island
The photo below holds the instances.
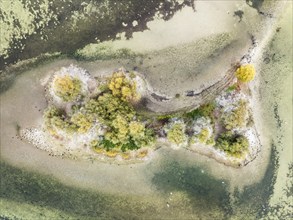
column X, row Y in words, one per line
column 107, row 118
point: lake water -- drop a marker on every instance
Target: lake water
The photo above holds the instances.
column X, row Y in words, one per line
column 174, row 184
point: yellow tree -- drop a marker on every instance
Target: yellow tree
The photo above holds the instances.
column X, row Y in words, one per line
column 67, row 87
column 245, row 73
column 176, row 134
column 123, row 87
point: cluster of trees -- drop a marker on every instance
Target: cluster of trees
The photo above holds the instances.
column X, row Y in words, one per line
column 112, row 109
column 123, row 129
column 233, row 144
column 55, row 120
column 67, row 88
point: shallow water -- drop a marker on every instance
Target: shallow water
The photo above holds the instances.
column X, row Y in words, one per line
column 174, row 184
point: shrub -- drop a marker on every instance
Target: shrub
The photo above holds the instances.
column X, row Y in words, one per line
column 233, row 144
column 142, row 154
column 67, row 87
column 108, row 145
column 123, row 87
column 245, row 73
column 176, row 134
column 232, row 88
column 237, row 117
column 211, row 141
column 205, row 110
column 55, row 120
column 203, row 135
column 111, row 153
column 166, row 117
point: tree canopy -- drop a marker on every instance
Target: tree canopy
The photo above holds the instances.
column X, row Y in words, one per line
column 245, row 73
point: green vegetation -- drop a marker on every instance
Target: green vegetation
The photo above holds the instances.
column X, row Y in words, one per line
column 67, row 88
column 203, row 135
column 123, row 130
column 233, row 144
column 53, row 120
column 245, row 73
column 103, row 51
column 82, row 122
column 106, row 107
column 166, row 116
column 176, row 134
column 211, row 141
column 120, row 128
column 127, row 134
column 232, row 88
column 123, row 87
column 205, row 110
column 237, row 117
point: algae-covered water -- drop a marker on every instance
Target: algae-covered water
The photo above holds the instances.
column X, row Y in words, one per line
column 178, row 41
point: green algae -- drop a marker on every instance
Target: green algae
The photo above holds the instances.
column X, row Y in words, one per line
column 17, row 210
column 20, row 19
column 182, row 191
column 103, row 51
column 21, row 186
column 34, row 27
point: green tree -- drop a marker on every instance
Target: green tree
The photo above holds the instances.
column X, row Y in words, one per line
column 176, row 134
column 235, row 145
column 237, row 117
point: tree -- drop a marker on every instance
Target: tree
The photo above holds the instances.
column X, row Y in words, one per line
column 237, row 118
column 66, row 87
column 176, row 134
column 123, row 87
column 235, row 145
column 245, row 73
column 83, row 122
